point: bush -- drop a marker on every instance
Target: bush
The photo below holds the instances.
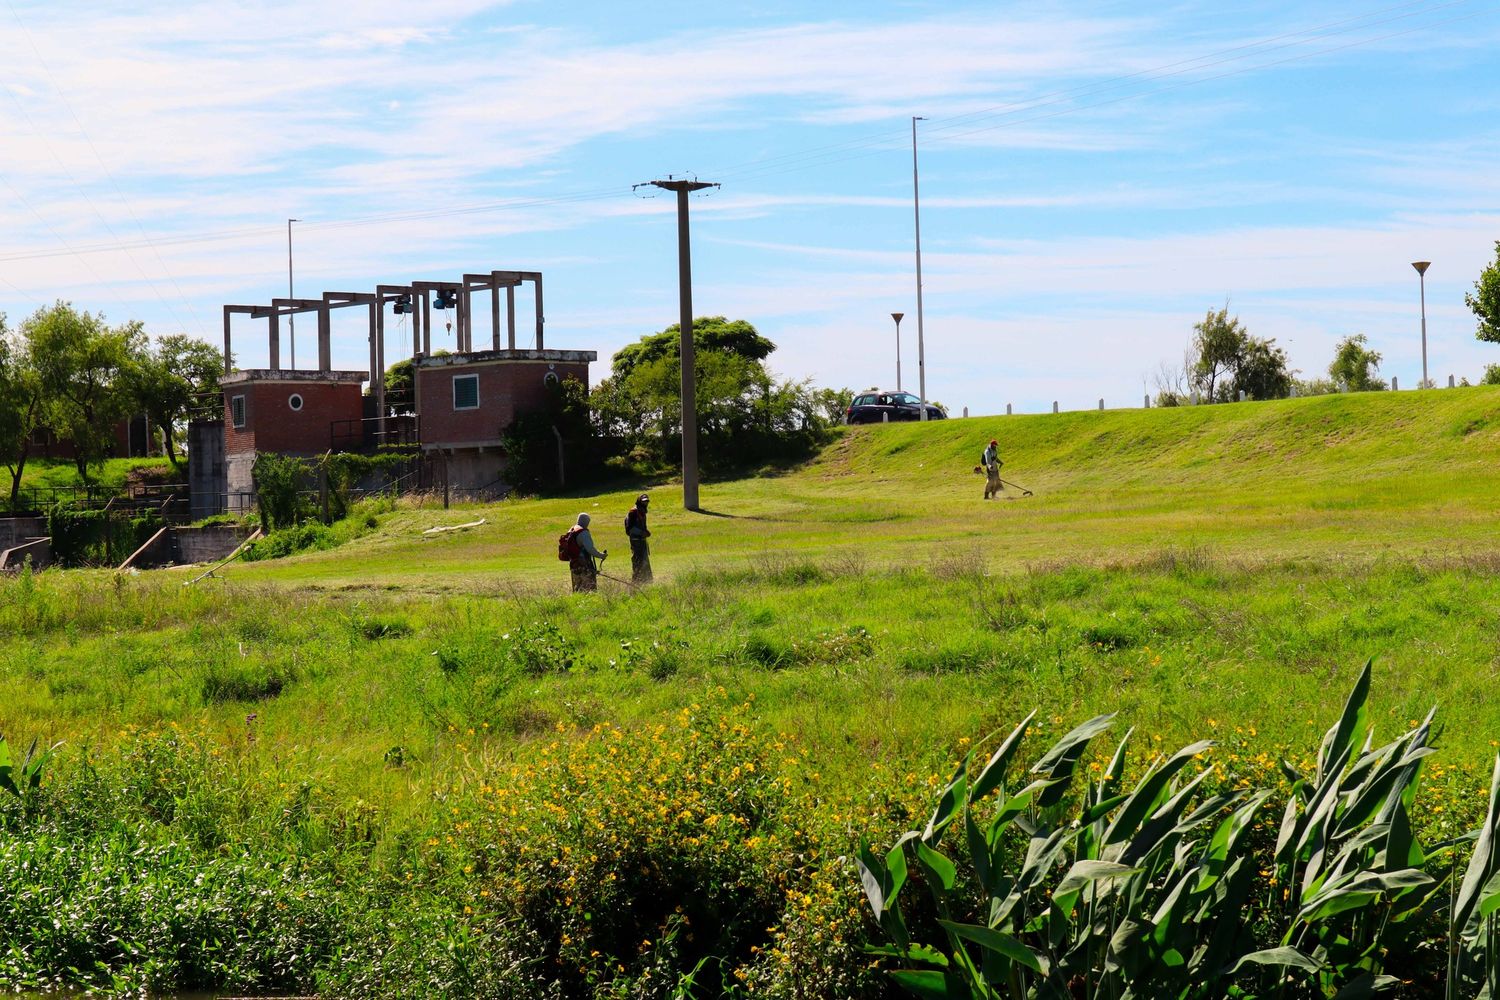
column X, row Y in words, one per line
column 1491, row 375
column 83, row 537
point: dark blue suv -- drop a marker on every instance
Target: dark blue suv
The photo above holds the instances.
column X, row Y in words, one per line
column 872, row 405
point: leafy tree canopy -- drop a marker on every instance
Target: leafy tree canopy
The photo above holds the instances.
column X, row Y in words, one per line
column 1484, row 301
column 710, row 333
column 1224, row 360
column 1355, row 368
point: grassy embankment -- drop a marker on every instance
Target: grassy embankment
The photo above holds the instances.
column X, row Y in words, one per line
column 1218, row 571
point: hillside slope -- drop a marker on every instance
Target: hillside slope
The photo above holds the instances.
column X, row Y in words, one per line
column 1408, row 475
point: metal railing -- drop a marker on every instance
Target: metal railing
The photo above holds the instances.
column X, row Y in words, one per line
column 366, row 433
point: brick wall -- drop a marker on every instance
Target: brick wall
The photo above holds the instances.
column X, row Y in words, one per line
column 272, row 425
column 506, row 388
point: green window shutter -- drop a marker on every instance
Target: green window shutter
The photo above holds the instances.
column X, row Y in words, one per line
column 465, row 392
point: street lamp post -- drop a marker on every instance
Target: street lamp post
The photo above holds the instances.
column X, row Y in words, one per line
column 916, row 204
column 1422, row 266
column 291, row 318
column 897, row 318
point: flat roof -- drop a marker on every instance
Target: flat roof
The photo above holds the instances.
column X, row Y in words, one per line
column 497, row 357
column 242, row 376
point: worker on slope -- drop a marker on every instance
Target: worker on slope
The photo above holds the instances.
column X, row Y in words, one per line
column 577, row 547
column 991, row 463
column 640, row 550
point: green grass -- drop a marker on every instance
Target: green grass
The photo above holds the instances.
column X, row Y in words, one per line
column 1206, row 572
column 108, row 475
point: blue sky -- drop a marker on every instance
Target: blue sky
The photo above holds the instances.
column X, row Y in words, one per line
column 1095, row 177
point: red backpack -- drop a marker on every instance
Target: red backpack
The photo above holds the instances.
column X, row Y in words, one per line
column 567, row 545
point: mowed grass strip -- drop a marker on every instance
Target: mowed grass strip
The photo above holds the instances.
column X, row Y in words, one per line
column 1408, row 475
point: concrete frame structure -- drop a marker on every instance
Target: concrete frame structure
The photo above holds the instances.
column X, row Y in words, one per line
column 502, row 366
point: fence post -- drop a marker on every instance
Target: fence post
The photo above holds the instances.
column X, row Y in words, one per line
column 323, row 489
column 1007, row 409
column 1147, row 404
column 1395, row 387
column 445, row 480
column 1101, row 404
column 1242, row 395
column 1054, row 406
column 966, row 413
column 1195, row 397
column 885, row 416
column 1450, row 381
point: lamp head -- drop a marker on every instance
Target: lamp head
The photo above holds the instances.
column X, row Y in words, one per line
column 1421, row 265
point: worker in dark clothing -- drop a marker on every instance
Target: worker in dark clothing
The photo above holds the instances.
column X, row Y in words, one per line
column 585, row 570
column 991, row 463
column 640, row 550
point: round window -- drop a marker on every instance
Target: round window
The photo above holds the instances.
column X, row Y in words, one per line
column 550, row 378
column 294, row 401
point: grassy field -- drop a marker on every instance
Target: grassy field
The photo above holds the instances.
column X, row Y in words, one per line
column 1215, row 572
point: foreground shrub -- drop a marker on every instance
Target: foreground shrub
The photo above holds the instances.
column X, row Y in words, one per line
column 1156, row 890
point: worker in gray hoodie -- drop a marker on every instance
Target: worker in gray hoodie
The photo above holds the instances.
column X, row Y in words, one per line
column 583, row 554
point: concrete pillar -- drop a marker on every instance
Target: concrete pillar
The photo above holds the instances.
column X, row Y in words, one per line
column 377, row 366
column 510, row 317
column 1101, row 405
column 1450, row 381
column 1394, row 385
column 495, row 318
column 1195, row 397
column 1054, row 406
column 539, row 317
column 1147, row 404
column 1242, row 395
column 325, row 340
column 885, row 416
column 1007, row 409
column 275, row 361
column 1294, row 390
column 966, row 413
column 426, row 323
column 416, row 326
column 226, row 340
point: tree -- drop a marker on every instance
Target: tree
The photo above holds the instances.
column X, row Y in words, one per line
column 1485, row 300
column 1354, row 366
column 710, row 333
column 1261, row 371
column 83, row 366
column 168, row 378
column 1217, row 346
column 744, row 413
column 1224, row 361
column 20, row 406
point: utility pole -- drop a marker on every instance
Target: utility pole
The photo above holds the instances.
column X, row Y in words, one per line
column 685, row 296
column 291, row 293
column 916, row 203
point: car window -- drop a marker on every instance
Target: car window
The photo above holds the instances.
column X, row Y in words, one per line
column 864, row 401
column 907, row 399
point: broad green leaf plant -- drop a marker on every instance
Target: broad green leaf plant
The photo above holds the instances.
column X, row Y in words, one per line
column 1151, row 891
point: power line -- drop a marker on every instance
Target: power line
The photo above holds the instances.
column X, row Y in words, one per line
column 942, row 130
column 40, row 134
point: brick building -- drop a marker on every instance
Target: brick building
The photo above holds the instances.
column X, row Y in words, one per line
column 466, row 400
column 288, row 412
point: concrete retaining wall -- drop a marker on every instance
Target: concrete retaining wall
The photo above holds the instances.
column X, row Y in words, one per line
column 38, row 551
column 15, row 530
column 209, row 543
